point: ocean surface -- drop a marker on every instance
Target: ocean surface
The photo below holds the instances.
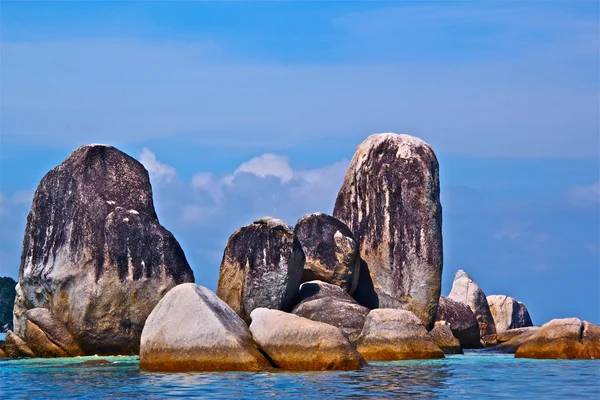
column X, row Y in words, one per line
column 476, row 375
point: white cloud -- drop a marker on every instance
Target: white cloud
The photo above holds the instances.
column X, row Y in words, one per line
column 159, row 172
column 584, row 195
column 268, row 165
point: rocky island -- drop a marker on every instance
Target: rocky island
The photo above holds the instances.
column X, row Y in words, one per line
column 100, row 275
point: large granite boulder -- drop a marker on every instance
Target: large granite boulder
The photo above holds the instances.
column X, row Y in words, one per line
column 297, row 343
column 94, row 253
column 590, row 338
column 559, row 338
column 324, row 302
column 465, row 290
column 262, row 267
column 443, row 337
column 191, row 329
column 330, row 250
column 508, row 313
column 394, row 334
column 55, row 331
column 462, row 322
column 390, row 200
column 16, row 348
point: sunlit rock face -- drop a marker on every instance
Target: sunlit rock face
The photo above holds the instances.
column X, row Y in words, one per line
column 390, row 200
column 94, row 252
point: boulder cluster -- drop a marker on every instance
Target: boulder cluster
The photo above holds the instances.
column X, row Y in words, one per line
column 100, row 275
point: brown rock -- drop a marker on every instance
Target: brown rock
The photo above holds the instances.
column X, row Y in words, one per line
column 16, row 347
column 390, row 200
column 393, row 334
column 297, row 343
column 514, row 338
column 39, row 343
column 55, row 330
column 590, row 338
column 465, row 290
column 191, row 329
column 261, row 267
column 324, row 302
column 445, row 340
column 3, row 354
column 510, row 334
column 330, row 249
column 559, row 338
column 462, row 322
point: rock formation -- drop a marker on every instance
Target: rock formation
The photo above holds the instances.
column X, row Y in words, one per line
column 331, row 252
column 191, row 329
column 508, row 313
column 262, row 267
column 324, row 302
column 465, row 290
column 561, row 338
column 462, row 322
column 56, row 332
column 393, row 334
column 94, row 253
column 445, row 340
column 511, row 340
column 390, row 200
column 297, row 343
column 16, row 347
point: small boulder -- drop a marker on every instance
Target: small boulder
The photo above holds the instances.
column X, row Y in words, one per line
column 445, row 340
column 39, row 343
column 559, row 338
column 465, row 290
column 513, row 333
column 508, row 313
column 462, row 322
column 324, row 302
column 512, row 339
column 16, row 347
column 590, row 338
column 331, row 252
column 55, row 330
column 393, row 334
column 261, row 267
column 297, row 343
column 191, row 329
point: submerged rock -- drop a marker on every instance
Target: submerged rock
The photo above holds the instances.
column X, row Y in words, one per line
column 465, row 290
column 559, row 338
column 94, row 253
column 390, row 200
column 393, row 334
column 331, row 252
column 262, row 267
column 297, row 343
column 16, row 347
column 508, row 313
column 55, row 331
column 191, row 329
column 462, row 322
column 445, row 340
column 324, row 302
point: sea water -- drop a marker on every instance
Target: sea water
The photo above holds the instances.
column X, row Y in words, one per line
column 476, row 375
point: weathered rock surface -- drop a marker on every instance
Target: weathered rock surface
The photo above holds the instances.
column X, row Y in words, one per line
column 55, row 331
column 394, row 334
column 94, row 253
column 559, row 338
column 445, row 340
column 462, row 322
column 262, row 267
column 465, row 290
column 16, row 347
column 39, row 343
column 511, row 340
column 330, row 250
column 297, row 343
column 590, row 338
column 508, row 313
column 3, row 354
column 513, row 333
column 390, row 200
column 324, row 302
column 191, row 329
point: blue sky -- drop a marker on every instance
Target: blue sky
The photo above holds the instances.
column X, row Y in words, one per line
column 245, row 109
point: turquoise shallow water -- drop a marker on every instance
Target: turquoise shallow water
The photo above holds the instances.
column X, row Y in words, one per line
column 476, row 375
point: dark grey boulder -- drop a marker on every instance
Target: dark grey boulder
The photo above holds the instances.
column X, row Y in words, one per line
column 462, row 322
column 390, row 200
column 94, row 252
column 261, row 267
column 330, row 250
column 324, row 302
column 465, row 290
